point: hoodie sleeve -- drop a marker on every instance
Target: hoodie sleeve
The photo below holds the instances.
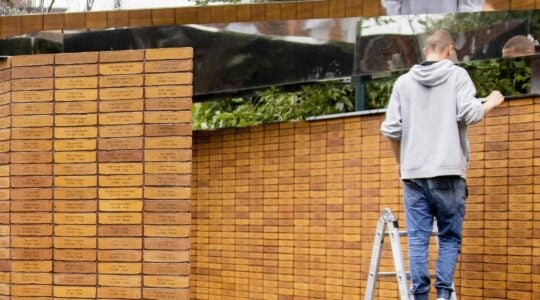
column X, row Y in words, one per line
column 469, row 108
column 470, row 5
column 393, row 7
column 391, row 127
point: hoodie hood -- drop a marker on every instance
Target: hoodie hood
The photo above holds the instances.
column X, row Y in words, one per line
column 434, row 74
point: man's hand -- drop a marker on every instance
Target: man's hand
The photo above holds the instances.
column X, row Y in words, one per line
column 493, row 100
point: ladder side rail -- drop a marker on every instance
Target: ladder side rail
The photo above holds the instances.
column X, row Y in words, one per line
column 399, row 264
column 375, row 260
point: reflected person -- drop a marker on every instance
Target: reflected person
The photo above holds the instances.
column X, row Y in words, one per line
column 426, row 122
column 412, row 7
column 519, row 45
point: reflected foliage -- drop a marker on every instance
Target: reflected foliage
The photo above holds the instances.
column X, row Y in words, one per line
column 511, row 77
column 274, row 105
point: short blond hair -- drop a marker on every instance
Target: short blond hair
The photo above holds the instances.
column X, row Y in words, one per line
column 518, row 46
column 439, row 41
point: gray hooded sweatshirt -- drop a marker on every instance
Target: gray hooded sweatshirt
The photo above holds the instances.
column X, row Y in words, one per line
column 429, row 111
column 409, row 7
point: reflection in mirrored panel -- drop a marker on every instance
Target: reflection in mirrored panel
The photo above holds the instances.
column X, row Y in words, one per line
column 415, row 7
column 35, row 43
column 395, row 43
column 242, row 56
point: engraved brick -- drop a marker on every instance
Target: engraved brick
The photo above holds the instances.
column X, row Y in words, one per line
column 75, row 58
column 75, row 193
column 119, row 268
column 166, row 281
column 74, row 243
column 119, row 218
column 31, row 181
column 170, row 269
column 125, row 55
column 75, row 230
column 75, row 279
column 121, row 80
column 74, row 157
column 32, row 121
column 75, row 144
column 31, row 290
column 168, row 130
column 75, row 132
column 75, row 70
column 32, row 133
column 31, row 145
column 31, row 108
column 31, row 193
column 74, row 255
column 167, row 206
column 31, row 266
column 165, row 293
column 119, row 243
column 76, row 83
column 121, row 68
column 120, row 143
column 120, row 255
column 74, row 291
column 162, row 117
column 152, row 243
column 32, row 84
column 31, row 205
column 31, row 169
column 120, row 118
column 76, row 95
column 120, row 205
column 75, row 169
column 119, row 292
column 32, row 96
column 75, row 218
column 167, row 179
column 120, row 93
column 31, row 254
column 120, row 280
column 120, row 230
column 178, row 142
column 165, row 256
column 166, row 231
column 75, row 107
column 75, row 181
column 169, row 66
column 75, row 205
column 167, row 193
column 167, row 218
column 168, row 79
column 167, row 167
column 120, row 156
column 75, row 266
column 121, row 130
column 168, row 91
column 31, row 242
column 121, row 105
column 120, row 168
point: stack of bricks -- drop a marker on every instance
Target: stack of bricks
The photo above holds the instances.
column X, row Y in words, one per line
column 342, row 174
column 5, row 134
column 95, row 163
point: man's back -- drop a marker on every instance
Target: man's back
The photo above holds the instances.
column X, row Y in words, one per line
column 429, row 111
column 407, row 7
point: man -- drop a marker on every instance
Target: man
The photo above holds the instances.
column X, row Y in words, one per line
column 519, row 45
column 409, row 7
column 426, row 122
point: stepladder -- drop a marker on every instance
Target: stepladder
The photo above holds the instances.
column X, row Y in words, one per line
column 388, row 226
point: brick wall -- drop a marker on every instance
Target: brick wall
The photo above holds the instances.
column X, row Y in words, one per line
column 95, row 163
column 287, row 211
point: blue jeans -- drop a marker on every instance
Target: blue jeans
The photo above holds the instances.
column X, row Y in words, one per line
column 442, row 198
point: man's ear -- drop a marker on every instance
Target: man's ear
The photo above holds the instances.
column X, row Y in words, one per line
column 425, row 51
